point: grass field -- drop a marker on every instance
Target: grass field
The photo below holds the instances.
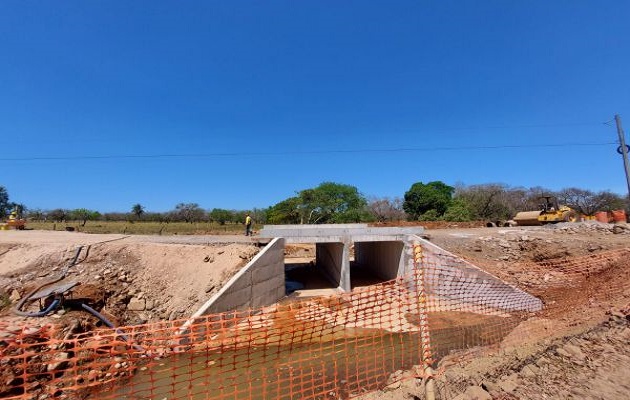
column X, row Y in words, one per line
column 142, row 228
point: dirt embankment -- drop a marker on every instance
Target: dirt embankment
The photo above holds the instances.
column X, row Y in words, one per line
column 130, row 282
column 577, row 347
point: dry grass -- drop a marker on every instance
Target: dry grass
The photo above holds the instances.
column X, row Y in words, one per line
column 141, row 228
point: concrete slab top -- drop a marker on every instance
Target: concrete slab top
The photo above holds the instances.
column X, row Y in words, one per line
column 337, row 233
column 315, row 226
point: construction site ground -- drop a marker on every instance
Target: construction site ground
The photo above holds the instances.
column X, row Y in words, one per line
column 582, row 349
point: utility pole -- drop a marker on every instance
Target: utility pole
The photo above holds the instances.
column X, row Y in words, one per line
column 623, row 149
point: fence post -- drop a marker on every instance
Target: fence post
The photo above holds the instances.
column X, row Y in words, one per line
column 425, row 338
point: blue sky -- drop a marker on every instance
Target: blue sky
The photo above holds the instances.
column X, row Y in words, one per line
column 240, row 104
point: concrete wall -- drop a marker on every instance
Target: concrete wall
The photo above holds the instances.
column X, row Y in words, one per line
column 451, row 280
column 258, row 284
column 383, row 259
column 333, row 259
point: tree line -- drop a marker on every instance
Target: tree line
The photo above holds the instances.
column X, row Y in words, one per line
column 183, row 212
column 332, row 202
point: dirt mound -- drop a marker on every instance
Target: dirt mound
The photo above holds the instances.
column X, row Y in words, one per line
column 592, row 364
column 433, row 224
column 531, row 243
column 139, row 282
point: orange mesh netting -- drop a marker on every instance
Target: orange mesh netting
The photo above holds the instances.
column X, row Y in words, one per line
column 320, row 348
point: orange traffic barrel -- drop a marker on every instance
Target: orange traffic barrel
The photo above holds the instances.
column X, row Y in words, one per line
column 619, row 216
column 601, row 216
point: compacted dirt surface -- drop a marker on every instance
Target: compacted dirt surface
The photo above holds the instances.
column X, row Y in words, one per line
column 579, row 349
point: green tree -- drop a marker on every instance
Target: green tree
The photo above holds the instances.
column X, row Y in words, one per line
column 430, row 215
column 238, row 217
column 285, row 212
column 153, row 216
column 421, row 198
column 220, row 215
column 458, row 211
column 137, row 210
column 84, row 215
column 4, row 202
column 327, row 203
column 115, row 216
column 332, row 203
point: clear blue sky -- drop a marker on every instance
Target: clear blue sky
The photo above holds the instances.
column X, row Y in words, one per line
column 239, row 104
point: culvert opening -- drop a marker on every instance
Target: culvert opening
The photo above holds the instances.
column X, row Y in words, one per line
column 301, row 270
column 335, row 248
column 319, row 267
column 375, row 262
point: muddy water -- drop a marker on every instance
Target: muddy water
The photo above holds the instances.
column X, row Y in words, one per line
column 331, row 364
column 278, row 372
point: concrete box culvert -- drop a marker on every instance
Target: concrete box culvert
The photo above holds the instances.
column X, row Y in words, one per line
column 386, row 252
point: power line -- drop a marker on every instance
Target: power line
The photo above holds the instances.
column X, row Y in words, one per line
column 558, row 125
column 96, row 140
column 297, row 152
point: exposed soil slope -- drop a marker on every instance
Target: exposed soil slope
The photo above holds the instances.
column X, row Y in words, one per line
column 136, row 281
column 578, row 347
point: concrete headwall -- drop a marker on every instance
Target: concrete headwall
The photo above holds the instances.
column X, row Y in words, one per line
column 258, row 284
column 384, row 259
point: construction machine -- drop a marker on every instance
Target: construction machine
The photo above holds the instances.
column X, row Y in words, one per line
column 550, row 213
column 15, row 221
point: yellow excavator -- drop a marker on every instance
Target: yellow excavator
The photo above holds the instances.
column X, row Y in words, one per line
column 550, row 213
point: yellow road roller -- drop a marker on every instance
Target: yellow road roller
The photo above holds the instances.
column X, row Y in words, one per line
column 550, row 213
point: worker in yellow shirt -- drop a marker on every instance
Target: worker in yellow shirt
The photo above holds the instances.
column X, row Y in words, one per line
column 248, row 225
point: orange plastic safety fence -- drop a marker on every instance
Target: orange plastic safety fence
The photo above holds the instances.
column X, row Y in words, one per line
column 468, row 308
column 575, row 292
column 331, row 347
column 564, row 285
column 335, row 347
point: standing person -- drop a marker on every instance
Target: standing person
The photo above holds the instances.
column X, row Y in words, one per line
column 248, row 225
